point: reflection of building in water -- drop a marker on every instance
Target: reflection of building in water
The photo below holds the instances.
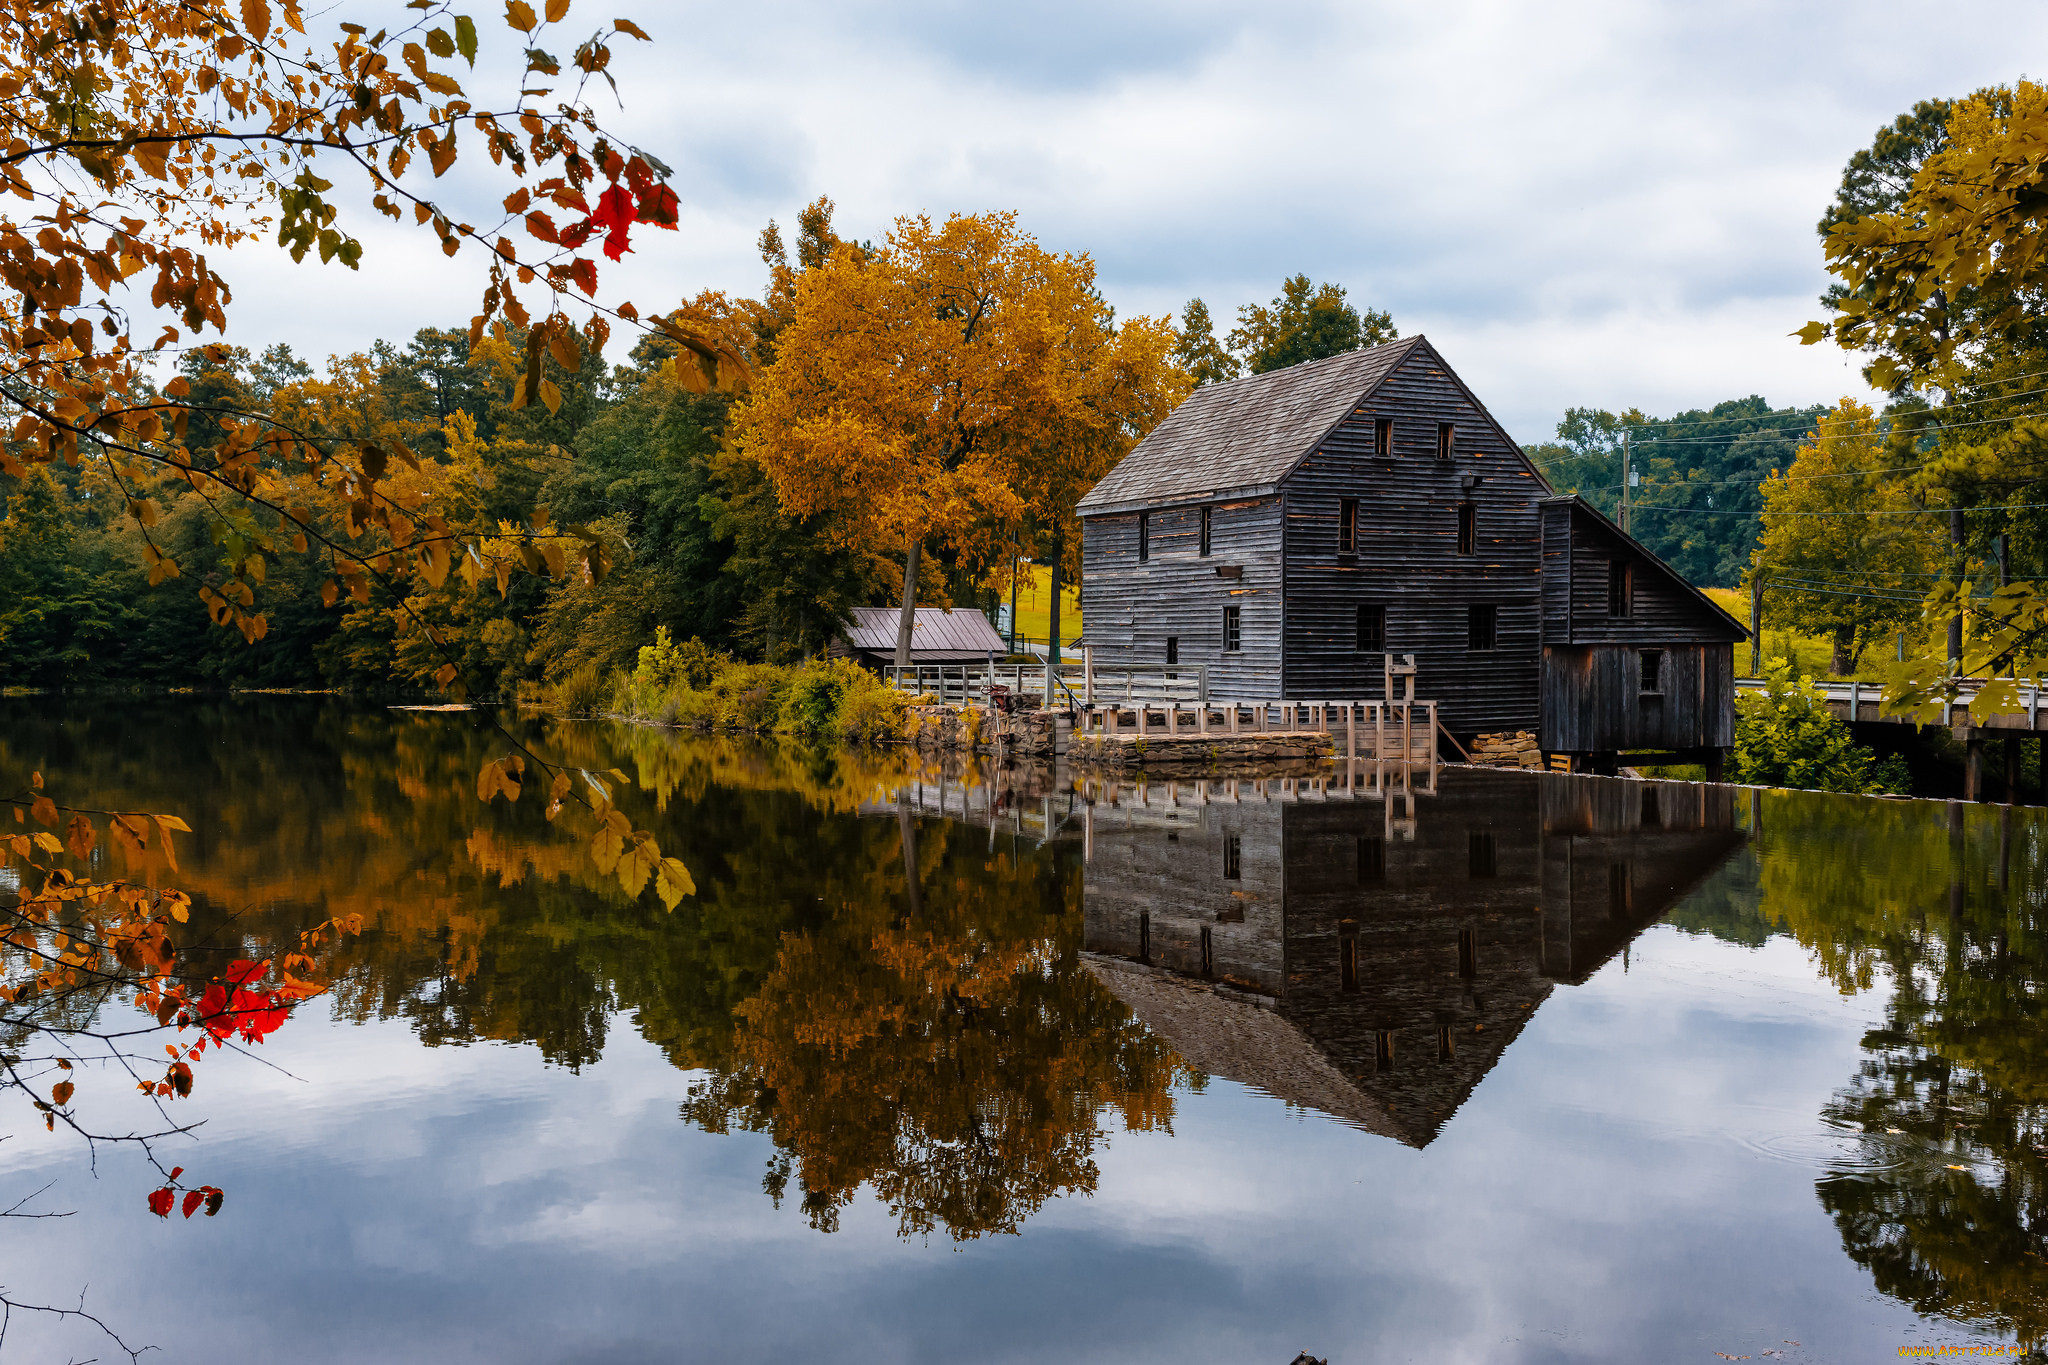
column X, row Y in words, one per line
column 1373, row 959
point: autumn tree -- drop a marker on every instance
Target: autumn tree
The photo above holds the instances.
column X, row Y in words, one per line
column 915, row 380
column 1198, row 352
column 1846, row 545
column 1306, row 322
column 141, row 135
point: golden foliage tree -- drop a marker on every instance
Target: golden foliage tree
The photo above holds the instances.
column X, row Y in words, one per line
column 956, row 379
column 1845, row 545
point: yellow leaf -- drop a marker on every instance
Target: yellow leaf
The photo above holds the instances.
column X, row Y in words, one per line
column 672, row 882
column 46, row 842
column 551, row 395
column 255, row 18
column 558, row 10
column 170, row 853
column 605, row 848
column 44, row 811
column 520, row 15
column 173, row 822
column 628, row 26
column 79, row 837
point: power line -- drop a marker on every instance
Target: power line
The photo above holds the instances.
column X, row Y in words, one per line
column 1710, row 421
column 1874, row 512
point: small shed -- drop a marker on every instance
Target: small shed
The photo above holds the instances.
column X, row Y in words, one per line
column 1634, row 657
column 940, row 635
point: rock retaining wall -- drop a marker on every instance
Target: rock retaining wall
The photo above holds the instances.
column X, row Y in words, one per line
column 1190, row 753
column 1032, row 732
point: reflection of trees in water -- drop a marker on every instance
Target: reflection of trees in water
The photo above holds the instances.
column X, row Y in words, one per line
column 1952, row 913
column 958, row 1061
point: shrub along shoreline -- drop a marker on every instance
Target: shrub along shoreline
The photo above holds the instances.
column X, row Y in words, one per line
column 692, row 685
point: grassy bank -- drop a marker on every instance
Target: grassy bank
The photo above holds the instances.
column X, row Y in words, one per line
column 693, row 686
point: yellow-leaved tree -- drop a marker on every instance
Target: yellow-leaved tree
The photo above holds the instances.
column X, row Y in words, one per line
column 956, row 380
column 1846, row 545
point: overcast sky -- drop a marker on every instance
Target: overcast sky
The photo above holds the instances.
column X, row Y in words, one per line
column 1581, row 203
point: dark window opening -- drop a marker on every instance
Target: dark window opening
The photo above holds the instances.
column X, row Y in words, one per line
column 1479, row 853
column 1446, row 1050
column 1372, row 860
column 1208, row 953
column 1205, row 531
column 1446, row 438
column 1621, row 588
column 1233, row 858
column 1144, row 536
column 1383, row 1051
column 1653, row 814
column 1144, row 937
column 1468, row 529
column 1653, row 670
column 1347, row 953
column 1347, row 526
column 1383, row 436
column 1231, row 635
column 1468, row 953
column 1172, row 649
column 1621, row 891
column 1482, row 626
column 1372, row 629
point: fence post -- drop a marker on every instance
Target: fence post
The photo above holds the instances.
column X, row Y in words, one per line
column 1088, row 674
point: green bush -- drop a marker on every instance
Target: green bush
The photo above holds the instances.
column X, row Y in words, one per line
column 689, row 685
column 1785, row 736
column 580, row 691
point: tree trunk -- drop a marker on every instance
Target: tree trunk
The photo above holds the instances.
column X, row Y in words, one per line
column 906, row 831
column 1844, row 662
column 907, row 622
column 1053, row 632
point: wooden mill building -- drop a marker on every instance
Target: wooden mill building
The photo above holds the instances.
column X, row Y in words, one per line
column 1288, row 529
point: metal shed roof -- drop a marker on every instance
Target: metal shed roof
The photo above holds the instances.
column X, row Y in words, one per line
column 936, row 630
column 1244, row 435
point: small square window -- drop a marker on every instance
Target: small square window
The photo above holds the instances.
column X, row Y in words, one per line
column 1144, row 536
column 1383, row 436
column 1446, row 440
column 1468, row 529
column 1205, row 530
column 1621, row 587
column 1233, row 858
column 1372, row 629
column 1347, row 526
column 1172, row 650
column 1482, row 624
column 1231, row 634
column 1652, row 671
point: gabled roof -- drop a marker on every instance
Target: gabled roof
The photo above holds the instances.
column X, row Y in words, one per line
column 1649, row 557
column 1244, row 435
column 936, row 630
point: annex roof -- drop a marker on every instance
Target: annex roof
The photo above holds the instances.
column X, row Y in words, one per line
column 1244, row 435
column 936, row 630
column 1650, row 557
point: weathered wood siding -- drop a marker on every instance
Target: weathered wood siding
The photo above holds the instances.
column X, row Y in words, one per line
column 1577, row 549
column 1406, row 557
column 1593, row 699
column 1130, row 608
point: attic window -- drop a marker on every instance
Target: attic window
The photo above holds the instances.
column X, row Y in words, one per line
column 1621, row 588
column 1144, row 536
column 1446, row 439
column 1468, row 528
column 1205, row 530
column 1172, row 650
column 1233, row 857
column 1383, row 436
column 1347, row 526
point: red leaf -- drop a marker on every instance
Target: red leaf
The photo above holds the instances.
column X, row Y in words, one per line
column 615, row 215
column 213, row 1198
column 177, row 1171
column 193, row 1199
column 542, row 226
column 160, row 1202
column 657, row 206
column 576, row 234
column 242, row 970
column 584, row 272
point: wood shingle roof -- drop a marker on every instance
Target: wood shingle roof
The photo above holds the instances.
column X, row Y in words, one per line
column 1244, row 435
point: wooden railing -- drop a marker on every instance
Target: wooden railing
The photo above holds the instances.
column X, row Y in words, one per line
column 1363, row 729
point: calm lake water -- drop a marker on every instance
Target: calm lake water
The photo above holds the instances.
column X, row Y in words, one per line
column 1520, row 1068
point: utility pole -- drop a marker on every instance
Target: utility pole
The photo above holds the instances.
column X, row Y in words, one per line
column 1955, row 623
column 1756, row 625
column 1013, row 595
column 1627, row 476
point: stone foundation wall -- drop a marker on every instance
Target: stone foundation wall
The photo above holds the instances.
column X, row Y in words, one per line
column 1517, row 750
column 1033, row 733
column 1197, row 753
